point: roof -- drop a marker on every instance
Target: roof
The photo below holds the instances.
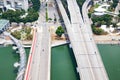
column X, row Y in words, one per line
column 100, row 9
column 98, row 13
column 105, row 5
column 3, row 22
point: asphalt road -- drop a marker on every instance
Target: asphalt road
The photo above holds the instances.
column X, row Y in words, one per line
column 88, row 59
column 40, row 67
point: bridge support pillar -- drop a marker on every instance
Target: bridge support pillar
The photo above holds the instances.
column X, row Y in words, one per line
column 70, row 46
column 77, row 69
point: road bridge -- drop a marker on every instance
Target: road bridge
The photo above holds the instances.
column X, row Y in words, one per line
column 90, row 66
column 38, row 67
column 39, row 63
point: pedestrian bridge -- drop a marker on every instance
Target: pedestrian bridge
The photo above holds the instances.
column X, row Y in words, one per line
column 22, row 53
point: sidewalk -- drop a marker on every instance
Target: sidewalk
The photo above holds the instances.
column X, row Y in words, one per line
column 107, row 39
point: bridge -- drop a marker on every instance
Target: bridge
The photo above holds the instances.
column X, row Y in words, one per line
column 89, row 63
column 22, row 62
column 90, row 66
column 38, row 67
column 39, row 62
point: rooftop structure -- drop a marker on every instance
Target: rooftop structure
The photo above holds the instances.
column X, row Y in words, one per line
column 101, row 10
column 14, row 4
column 4, row 24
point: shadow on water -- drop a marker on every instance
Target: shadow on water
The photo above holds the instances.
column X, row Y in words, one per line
column 74, row 62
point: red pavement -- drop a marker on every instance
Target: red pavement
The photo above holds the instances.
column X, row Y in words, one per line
column 27, row 72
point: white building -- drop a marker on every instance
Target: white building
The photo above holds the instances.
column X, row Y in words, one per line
column 14, row 4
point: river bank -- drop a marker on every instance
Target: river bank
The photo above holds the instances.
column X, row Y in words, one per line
column 99, row 39
column 107, row 39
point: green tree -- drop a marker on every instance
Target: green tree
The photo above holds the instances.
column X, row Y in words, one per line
column 97, row 31
column 36, row 5
column 31, row 17
column 115, row 2
column 29, row 36
column 16, row 34
column 59, row 31
column 89, row 15
column 13, row 16
column 114, row 25
column 104, row 19
column 114, row 5
column 46, row 15
column 118, row 16
column 27, row 30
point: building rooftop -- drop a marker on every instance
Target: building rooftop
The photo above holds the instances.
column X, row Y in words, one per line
column 3, row 22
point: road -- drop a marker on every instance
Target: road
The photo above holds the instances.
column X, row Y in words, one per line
column 90, row 66
column 86, row 19
column 39, row 67
column 92, row 46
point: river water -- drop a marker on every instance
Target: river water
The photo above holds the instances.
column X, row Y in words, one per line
column 7, row 59
column 111, row 57
column 63, row 65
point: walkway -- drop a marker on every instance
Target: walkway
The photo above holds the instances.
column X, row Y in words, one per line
column 22, row 61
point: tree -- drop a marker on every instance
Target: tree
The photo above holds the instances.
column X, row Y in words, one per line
column 114, row 5
column 36, row 5
column 16, row 34
column 29, row 36
column 118, row 18
column 13, row 16
column 59, row 31
column 115, row 25
column 31, row 17
column 27, row 30
column 105, row 19
column 97, row 31
column 89, row 15
column 115, row 2
column 46, row 15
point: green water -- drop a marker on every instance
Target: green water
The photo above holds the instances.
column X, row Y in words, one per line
column 7, row 60
column 111, row 58
column 62, row 64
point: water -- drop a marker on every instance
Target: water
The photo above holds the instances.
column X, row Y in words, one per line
column 7, row 60
column 62, row 64
column 111, row 58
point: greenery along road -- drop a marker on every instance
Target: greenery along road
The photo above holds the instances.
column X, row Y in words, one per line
column 16, row 16
column 23, row 34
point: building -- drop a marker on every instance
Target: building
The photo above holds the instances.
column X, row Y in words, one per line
column 14, row 4
column 4, row 25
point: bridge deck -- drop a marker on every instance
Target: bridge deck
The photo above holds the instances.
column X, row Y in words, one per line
column 87, row 56
column 41, row 50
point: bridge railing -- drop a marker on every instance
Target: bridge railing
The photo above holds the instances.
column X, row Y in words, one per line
column 27, row 72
